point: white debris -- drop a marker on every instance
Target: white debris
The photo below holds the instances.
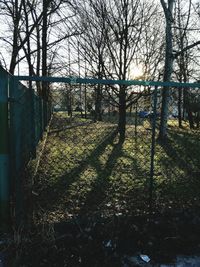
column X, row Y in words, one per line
column 108, row 244
column 145, row 258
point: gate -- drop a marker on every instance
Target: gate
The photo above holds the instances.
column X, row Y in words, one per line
column 85, row 168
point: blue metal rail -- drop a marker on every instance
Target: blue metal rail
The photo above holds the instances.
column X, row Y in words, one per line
column 74, row 80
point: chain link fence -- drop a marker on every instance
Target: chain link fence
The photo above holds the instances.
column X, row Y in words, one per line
column 89, row 165
column 86, row 170
column 102, row 155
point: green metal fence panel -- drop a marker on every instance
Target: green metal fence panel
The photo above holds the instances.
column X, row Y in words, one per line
column 25, row 123
column 33, row 122
column 26, row 132
column 17, row 127
column 4, row 149
column 38, row 119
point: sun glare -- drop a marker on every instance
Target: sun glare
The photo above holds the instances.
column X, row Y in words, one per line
column 135, row 72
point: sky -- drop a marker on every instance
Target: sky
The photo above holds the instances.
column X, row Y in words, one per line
column 5, row 51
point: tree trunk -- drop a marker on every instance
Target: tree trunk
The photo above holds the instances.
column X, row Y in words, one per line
column 98, row 95
column 38, row 63
column 180, row 94
column 190, row 118
column 44, row 61
column 15, row 49
column 168, row 68
column 122, row 114
column 44, row 47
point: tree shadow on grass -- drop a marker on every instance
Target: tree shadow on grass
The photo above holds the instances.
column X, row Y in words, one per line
column 179, row 163
column 53, row 194
column 101, row 185
column 121, row 185
column 182, row 152
column 111, row 195
column 79, row 191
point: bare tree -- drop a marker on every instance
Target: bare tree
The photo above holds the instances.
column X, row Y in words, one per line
column 168, row 69
column 115, row 40
column 170, row 55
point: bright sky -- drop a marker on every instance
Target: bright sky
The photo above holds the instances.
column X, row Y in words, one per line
column 5, row 51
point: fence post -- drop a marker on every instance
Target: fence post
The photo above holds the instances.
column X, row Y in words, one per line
column 41, row 117
column 136, row 117
column 16, row 149
column 33, row 120
column 153, row 142
column 4, row 150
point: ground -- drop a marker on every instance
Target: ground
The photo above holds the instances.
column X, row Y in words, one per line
column 91, row 200
column 85, row 171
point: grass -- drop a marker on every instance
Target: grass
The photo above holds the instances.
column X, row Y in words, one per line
column 85, row 171
column 93, row 190
column 177, row 167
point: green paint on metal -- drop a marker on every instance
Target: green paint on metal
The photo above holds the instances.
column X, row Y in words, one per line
column 33, row 124
column 73, row 80
column 4, row 149
column 5, row 225
column 4, row 188
column 153, row 145
column 4, row 128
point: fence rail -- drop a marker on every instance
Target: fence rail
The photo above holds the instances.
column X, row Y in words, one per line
column 77, row 80
column 84, row 140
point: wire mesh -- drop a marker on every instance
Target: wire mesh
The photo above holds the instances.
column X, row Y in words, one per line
column 177, row 159
column 90, row 167
column 86, row 170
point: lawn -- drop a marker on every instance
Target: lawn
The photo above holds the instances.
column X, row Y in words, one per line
column 91, row 191
column 85, row 171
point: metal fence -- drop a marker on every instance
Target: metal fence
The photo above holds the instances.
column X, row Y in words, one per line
column 86, row 168
column 22, row 125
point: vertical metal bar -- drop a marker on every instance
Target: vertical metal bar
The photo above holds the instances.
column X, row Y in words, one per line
column 153, row 142
column 33, row 122
column 85, row 91
column 41, row 116
column 85, row 101
column 17, row 145
column 79, row 75
column 136, row 117
column 44, row 114
column 36, row 118
column 12, row 139
column 4, row 149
